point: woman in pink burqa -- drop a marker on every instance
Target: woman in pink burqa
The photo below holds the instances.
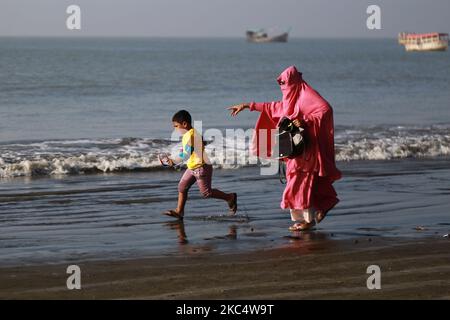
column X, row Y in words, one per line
column 309, row 193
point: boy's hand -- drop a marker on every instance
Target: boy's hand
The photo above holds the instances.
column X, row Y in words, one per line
column 170, row 162
column 166, row 161
column 237, row 108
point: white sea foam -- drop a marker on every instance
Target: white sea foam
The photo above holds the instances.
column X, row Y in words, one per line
column 398, row 142
column 135, row 154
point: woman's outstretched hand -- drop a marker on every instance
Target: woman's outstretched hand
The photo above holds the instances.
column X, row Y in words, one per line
column 298, row 123
column 238, row 108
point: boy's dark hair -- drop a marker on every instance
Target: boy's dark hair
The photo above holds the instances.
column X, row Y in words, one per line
column 181, row 116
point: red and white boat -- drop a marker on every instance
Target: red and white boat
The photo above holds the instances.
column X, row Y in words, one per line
column 424, row 41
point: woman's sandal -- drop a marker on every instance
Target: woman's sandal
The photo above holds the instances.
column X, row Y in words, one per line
column 233, row 205
column 174, row 214
column 303, row 226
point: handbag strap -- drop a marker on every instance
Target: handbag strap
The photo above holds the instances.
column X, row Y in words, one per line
column 282, row 171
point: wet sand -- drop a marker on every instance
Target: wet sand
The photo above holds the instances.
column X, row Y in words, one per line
column 323, row 269
column 73, row 219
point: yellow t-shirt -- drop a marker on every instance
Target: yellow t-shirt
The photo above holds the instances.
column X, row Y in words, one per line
column 193, row 149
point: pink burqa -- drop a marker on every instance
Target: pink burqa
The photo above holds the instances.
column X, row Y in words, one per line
column 309, row 176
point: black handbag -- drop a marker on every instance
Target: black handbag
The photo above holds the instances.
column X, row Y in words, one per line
column 291, row 139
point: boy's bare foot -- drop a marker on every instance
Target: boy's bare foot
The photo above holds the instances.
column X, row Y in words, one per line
column 233, row 204
column 174, row 214
column 303, row 226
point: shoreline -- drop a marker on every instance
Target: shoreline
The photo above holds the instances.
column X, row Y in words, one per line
column 324, row 269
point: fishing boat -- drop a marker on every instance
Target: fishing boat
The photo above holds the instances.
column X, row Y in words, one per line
column 424, row 41
column 262, row 36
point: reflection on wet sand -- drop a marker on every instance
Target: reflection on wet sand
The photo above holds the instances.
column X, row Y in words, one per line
column 301, row 241
column 310, row 241
column 179, row 227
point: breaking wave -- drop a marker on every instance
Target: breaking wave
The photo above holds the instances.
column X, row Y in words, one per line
column 61, row 157
column 376, row 143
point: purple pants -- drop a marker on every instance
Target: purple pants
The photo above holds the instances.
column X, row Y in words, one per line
column 202, row 176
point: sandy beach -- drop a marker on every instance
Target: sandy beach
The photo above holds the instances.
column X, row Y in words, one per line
column 410, row 269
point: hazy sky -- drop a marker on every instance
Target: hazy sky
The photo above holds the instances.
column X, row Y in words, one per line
column 221, row 18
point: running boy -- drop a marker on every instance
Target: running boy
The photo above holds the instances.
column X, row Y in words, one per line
column 198, row 167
